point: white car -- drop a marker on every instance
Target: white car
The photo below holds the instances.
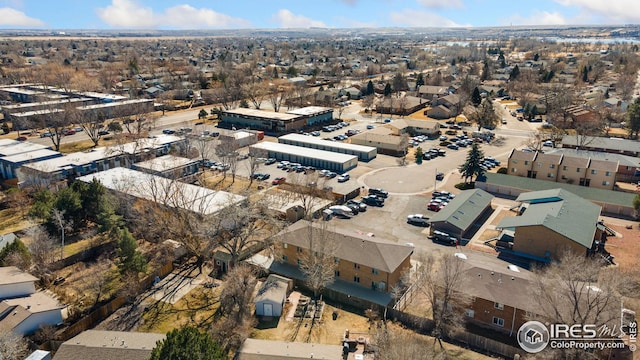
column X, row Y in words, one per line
column 548, row 143
column 418, row 219
column 344, row 177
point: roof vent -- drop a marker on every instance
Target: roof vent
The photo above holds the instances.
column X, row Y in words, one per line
column 492, row 273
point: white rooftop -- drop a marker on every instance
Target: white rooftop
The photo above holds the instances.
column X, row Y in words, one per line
column 309, row 110
column 31, row 156
column 115, row 104
column 262, row 114
column 10, row 147
column 164, row 163
column 36, row 112
column 334, row 144
column 305, row 152
column 35, row 303
column 95, row 154
column 164, row 191
column 44, row 103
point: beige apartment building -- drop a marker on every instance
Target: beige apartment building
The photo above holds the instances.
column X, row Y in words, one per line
column 583, row 171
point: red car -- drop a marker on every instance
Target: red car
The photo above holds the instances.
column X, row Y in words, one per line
column 278, row 180
column 21, row 138
column 434, row 206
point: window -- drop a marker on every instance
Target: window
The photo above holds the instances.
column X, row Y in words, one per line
column 356, row 266
column 498, row 321
column 498, row 306
column 284, row 257
column 299, row 262
column 605, row 183
column 526, row 162
column 539, row 164
column 299, row 250
column 552, row 166
column 515, row 161
column 285, row 245
column 513, row 170
column 336, row 260
column 356, row 279
column 608, row 173
column 374, row 271
column 578, row 170
column 469, row 313
column 550, row 175
column 593, row 172
column 336, row 273
column 564, row 168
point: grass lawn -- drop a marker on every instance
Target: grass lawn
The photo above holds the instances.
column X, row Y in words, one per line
column 12, row 220
column 196, row 308
column 81, row 245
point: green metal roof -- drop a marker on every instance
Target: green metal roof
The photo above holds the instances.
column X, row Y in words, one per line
column 464, row 209
column 560, row 211
column 598, row 195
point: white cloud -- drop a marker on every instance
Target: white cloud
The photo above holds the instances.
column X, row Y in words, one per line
column 606, row 12
column 440, row 4
column 13, row 17
column 129, row 14
column 417, row 18
column 540, row 18
column 286, row 19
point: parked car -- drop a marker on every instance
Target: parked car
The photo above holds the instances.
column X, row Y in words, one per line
column 354, row 208
column 369, row 127
column 46, row 134
column 279, row 180
column 434, row 207
column 331, row 174
column 103, row 132
column 68, row 132
column 362, row 206
column 21, row 138
column 439, row 176
column 418, row 219
column 342, row 211
column 373, row 200
column 378, row 192
column 168, row 131
column 344, row 177
column 443, row 238
column 548, row 143
column 453, row 146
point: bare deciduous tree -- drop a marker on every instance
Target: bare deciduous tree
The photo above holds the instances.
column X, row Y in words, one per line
column 319, row 262
column 43, row 250
column 441, row 280
column 13, row 346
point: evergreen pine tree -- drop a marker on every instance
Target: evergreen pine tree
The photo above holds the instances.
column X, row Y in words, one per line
column 471, row 166
column 476, row 99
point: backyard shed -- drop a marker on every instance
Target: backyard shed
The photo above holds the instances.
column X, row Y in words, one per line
column 272, row 296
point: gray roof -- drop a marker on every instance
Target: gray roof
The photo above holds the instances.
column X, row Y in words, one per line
column 256, row 349
column 511, row 289
column 464, row 209
column 13, row 275
column 624, row 160
column 357, row 248
column 97, row 344
column 310, row 110
column 274, row 289
column 560, row 211
column 262, row 114
column 604, row 143
column 596, row 195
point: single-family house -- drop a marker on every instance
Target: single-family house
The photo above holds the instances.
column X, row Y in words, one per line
column 100, row 344
column 258, row 349
column 24, row 315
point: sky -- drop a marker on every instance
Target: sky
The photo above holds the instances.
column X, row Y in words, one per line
column 269, row 14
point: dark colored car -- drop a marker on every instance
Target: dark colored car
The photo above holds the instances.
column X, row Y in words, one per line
column 439, row 176
column 378, row 192
column 373, row 201
column 362, row 206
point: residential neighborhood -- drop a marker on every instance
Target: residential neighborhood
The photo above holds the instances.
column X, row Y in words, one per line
column 319, row 194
